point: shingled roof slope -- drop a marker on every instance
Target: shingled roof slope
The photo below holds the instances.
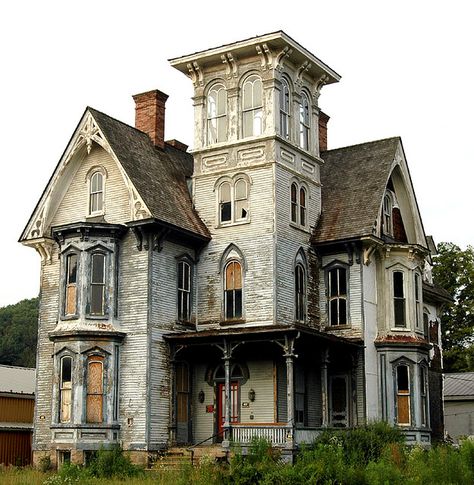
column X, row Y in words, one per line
column 158, row 175
column 353, row 183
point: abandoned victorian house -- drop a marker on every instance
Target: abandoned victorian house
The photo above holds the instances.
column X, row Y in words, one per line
column 260, row 285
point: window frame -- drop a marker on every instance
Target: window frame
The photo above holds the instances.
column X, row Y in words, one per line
column 186, row 293
column 218, row 118
column 300, row 283
column 91, row 284
column 397, row 300
column 92, row 193
column 285, row 109
column 234, row 203
column 299, row 196
column 62, row 389
column 405, row 395
column 304, row 122
column 338, row 297
column 256, row 110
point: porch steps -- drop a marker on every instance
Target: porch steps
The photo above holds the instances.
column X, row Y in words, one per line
column 176, row 457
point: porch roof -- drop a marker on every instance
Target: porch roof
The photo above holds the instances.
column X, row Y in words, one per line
column 257, row 333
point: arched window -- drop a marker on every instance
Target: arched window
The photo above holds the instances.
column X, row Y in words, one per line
column 337, row 296
column 387, row 215
column 96, row 193
column 252, row 107
column 403, row 394
column 233, row 291
column 233, row 200
column 298, row 211
column 65, row 390
column 95, row 389
column 304, row 122
column 97, row 284
column 300, row 293
column 285, row 109
column 70, row 303
column 399, row 311
column 302, row 206
column 184, row 291
column 217, row 114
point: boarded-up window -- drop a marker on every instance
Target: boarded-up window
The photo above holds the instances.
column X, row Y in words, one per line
column 71, row 285
column 182, row 392
column 97, row 289
column 233, row 290
column 65, row 390
column 95, row 389
column 403, row 395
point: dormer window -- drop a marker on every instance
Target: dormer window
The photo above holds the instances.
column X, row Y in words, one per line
column 217, row 114
column 285, row 109
column 304, row 122
column 252, row 107
column 96, row 193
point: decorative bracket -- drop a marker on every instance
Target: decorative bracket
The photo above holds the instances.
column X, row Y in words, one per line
column 44, row 248
column 286, row 52
column 158, row 239
column 230, row 64
column 303, row 68
column 138, row 233
column 368, row 254
column 266, row 57
column 195, row 74
column 319, row 85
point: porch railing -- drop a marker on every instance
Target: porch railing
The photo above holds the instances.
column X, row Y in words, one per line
column 274, row 433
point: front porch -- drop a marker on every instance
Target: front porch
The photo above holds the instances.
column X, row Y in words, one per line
column 283, row 384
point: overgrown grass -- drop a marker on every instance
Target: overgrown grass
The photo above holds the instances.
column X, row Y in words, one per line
column 374, row 455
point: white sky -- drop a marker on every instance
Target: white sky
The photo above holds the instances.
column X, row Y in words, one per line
column 407, row 69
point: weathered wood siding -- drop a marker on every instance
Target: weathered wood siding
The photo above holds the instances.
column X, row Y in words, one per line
column 203, row 422
column 255, row 241
column 74, row 205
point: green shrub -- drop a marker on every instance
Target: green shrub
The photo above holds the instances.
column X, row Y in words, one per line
column 113, row 463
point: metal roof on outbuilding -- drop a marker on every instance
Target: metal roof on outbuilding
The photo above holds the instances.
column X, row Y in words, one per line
column 17, row 380
column 459, row 384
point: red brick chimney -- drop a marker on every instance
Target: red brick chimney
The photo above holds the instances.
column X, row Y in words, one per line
column 150, row 115
column 323, row 131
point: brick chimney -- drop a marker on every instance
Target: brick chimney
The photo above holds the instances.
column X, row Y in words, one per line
column 150, row 115
column 323, row 131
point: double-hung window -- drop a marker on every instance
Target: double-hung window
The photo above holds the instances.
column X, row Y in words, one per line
column 399, row 303
column 217, row 114
column 403, row 394
column 96, row 193
column 65, row 390
column 184, row 291
column 337, row 296
column 252, row 106
column 97, row 284
column 304, row 122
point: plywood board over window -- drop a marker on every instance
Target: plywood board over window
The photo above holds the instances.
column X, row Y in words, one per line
column 95, row 389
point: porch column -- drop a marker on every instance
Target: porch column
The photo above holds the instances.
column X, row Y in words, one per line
column 227, row 407
column 324, row 388
column 172, row 414
column 289, row 355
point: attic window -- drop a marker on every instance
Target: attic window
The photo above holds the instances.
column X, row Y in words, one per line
column 96, row 193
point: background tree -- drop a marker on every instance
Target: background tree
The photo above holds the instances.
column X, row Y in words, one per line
column 18, row 333
column 454, row 271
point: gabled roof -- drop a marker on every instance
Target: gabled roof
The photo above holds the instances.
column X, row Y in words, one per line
column 158, row 175
column 459, row 384
column 353, row 181
column 17, row 380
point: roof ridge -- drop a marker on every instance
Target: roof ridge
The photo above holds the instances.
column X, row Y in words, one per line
column 114, row 119
column 364, row 143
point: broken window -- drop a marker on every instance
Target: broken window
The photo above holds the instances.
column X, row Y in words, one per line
column 217, row 114
column 97, row 286
column 184, row 291
column 304, row 122
column 70, row 305
column 225, row 202
column 300, row 293
column 241, row 202
column 96, row 193
column 337, row 295
column 233, row 201
column 399, row 299
column 403, row 395
column 252, row 107
column 65, row 390
column 95, row 389
column 233, row 291
column 285, row 109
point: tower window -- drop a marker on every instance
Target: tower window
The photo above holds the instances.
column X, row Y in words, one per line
column 285, row 109
column 217, row 114
column 304, row 122
column 233, row 291
column 298, row 210
column 233, row 200
column 252, row 107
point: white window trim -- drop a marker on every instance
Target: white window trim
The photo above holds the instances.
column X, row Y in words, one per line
column 234, row 221
column 90, row 174
column 254, row 108
column 209, row 142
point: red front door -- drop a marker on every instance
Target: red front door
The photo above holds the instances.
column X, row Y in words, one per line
column 234, row 405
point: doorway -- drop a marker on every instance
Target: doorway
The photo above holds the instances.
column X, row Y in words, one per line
column 234, row 406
